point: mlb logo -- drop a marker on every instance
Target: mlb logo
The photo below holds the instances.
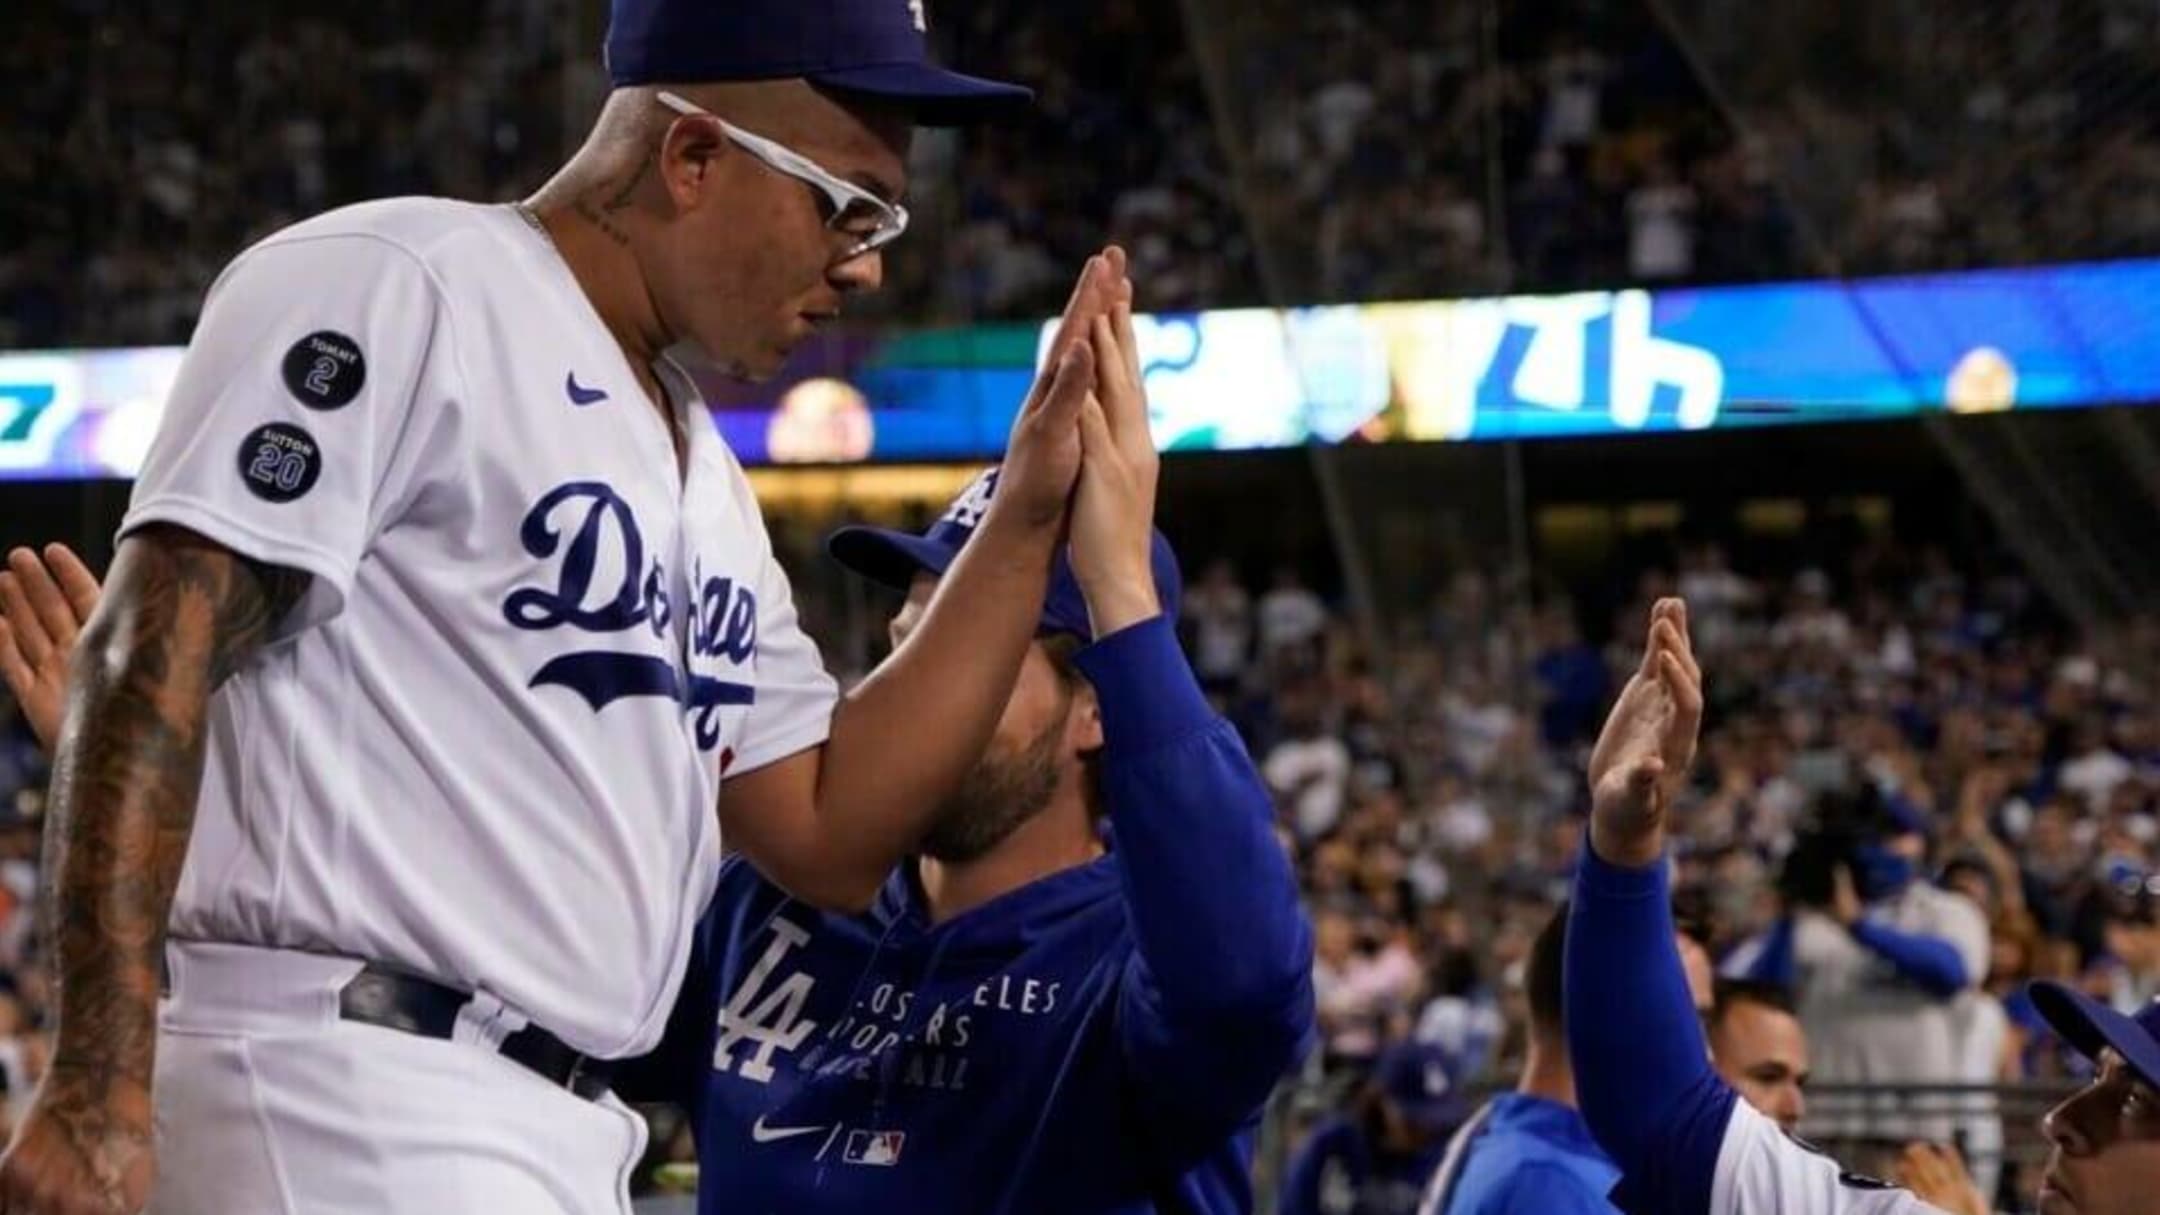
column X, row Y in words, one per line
column 874, row 1147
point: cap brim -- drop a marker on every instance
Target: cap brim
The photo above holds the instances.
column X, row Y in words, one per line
column 888, row 558
column 936, row 97
column 2089, row 1026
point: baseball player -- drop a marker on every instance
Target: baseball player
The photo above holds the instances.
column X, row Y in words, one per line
column 1375, row 1156
column 1758, row 1046
column 1685, row 1141
column 1529, row 1150
column 442, row 621
column 1080, row 993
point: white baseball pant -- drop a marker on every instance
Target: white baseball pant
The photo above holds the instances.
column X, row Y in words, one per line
column 269, row 1103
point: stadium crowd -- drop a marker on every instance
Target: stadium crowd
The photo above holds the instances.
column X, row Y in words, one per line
column 1306, row 152
column 182, row 133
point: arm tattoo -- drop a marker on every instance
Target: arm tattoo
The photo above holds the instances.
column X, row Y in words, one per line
column 179, row 616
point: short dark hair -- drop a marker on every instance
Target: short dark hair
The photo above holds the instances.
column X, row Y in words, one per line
column 1728, row 994
column 1063, row 650
column 1541, row 980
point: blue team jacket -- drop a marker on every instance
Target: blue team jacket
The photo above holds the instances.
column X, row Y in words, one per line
column 1534, row 1157
column 1099, row 1041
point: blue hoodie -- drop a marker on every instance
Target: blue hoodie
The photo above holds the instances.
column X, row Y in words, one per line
column 1101, row 1040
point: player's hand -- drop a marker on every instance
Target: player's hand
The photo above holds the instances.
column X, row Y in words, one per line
column 1113, row 520
column 1641, row 759
column 1042, row 456
column 43, row 604
column 83, row 1149
column 1937, row 1174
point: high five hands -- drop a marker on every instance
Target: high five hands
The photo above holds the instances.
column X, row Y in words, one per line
column 1642, row 757
column 1081, row 452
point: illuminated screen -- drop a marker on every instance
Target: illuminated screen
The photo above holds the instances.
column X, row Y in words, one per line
column 1594, row 363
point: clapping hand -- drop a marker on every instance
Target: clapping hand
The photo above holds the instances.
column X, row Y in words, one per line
column 44, row 600
column 1642, row 757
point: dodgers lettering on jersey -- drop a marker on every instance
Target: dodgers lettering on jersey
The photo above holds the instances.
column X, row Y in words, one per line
column 487, row 746
column 720, row 618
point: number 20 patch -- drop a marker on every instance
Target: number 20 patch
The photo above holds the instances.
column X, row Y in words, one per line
column 279, row 462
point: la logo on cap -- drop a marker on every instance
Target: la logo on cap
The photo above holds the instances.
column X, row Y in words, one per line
column 973, row 503
column 922, row 21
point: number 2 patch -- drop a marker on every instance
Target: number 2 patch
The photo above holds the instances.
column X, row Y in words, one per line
column 279, row 462
column 324, row 370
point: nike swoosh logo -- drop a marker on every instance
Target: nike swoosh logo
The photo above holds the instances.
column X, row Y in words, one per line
column 761, row 1133
column 580, row 395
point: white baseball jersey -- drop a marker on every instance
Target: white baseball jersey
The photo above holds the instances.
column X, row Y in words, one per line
column 1763, row 1171
column 487, row 745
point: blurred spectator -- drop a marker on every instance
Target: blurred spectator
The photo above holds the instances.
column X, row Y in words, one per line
column 1661, row 227
column 1365, row 979
column 1374, row 1158
column 2094, row 768
column 1880, row 960
column 1221, row 618
column 1309, row 769
column 1291, row 616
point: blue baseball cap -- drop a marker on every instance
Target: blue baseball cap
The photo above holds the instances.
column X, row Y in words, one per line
column 874, row 48
column 893, row 558
column 1421, row 1079
column 2088, row 1026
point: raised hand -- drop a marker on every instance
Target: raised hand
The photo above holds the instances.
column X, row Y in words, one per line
column 43, row 604
column 1042, row 456
column 1642, row 757
column 1113, row 520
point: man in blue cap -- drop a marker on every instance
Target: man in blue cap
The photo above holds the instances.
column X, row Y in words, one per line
column 1077, row 995
column 2106, row 1137
column 1375, row 1158
column 444, row 641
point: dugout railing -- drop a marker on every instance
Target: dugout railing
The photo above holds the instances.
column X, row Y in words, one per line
column 2015, row 1158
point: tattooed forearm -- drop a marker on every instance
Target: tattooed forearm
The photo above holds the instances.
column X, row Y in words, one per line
column 179, row 615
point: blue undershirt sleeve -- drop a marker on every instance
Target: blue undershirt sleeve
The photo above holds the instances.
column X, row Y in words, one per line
column 1642, row 1068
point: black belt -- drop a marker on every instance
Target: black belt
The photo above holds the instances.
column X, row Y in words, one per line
column 394, row 1000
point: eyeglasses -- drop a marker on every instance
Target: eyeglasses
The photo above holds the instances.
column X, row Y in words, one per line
column 856, row 212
